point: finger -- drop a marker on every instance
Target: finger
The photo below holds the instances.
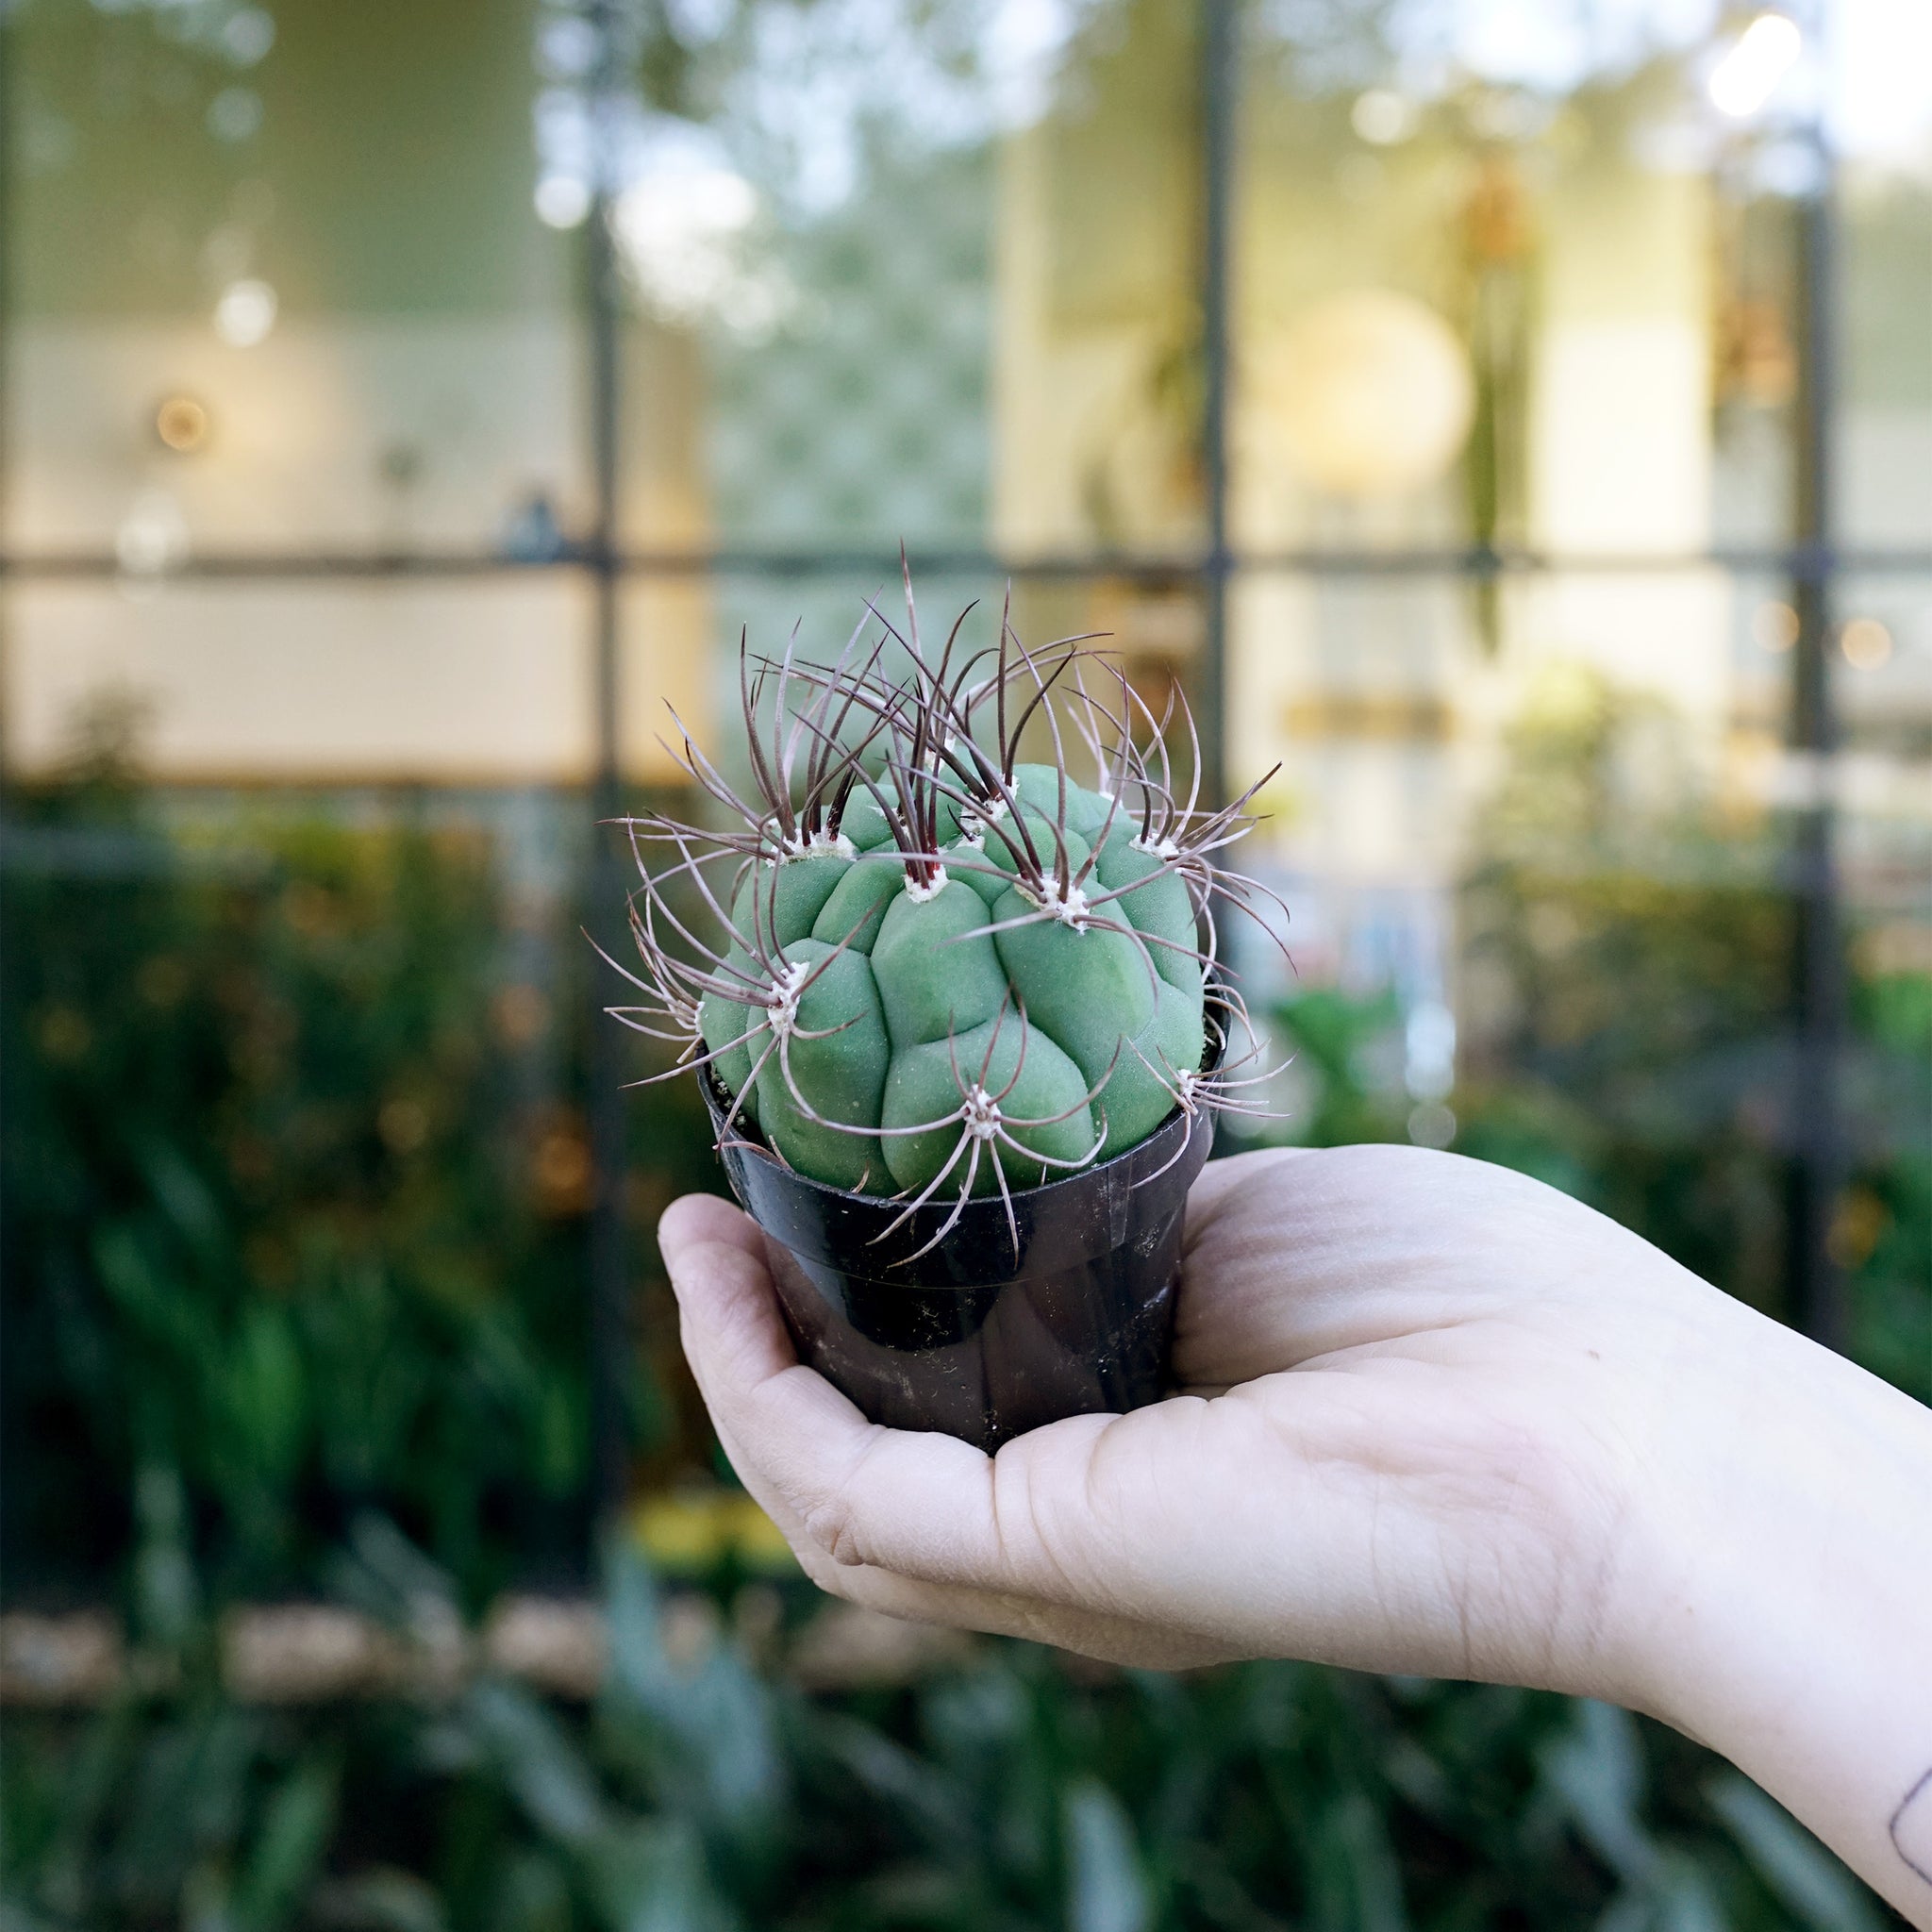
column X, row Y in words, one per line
column 737, row 1344
column 1291, row 1256
column 1233, row 1175
column 733, row 1336
column 1236, row 1272
column 916, row 1504
column 1094, row 1531
column 1113, row 1639
column 1037, row 1528
column 1067, row 1535
column 786, row 1426
column 727, row 1309
column 732, row 1327
column 698, row 1218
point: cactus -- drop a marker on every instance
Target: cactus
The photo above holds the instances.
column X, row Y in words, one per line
column 920, row 967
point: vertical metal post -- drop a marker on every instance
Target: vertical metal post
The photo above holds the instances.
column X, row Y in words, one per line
column 1819, row 1155
column 7, row 30
column 609, row 1328
column 1219, row 106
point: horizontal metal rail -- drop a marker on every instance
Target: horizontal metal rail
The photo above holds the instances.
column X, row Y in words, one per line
column 1800, row 562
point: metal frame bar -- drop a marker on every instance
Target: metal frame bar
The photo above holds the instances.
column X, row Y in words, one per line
column 1799, row 563
column 610, row 1329
column 1220, row 80
column 1819, row 989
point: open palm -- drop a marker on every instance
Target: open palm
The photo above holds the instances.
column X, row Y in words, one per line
column 1417, row 1395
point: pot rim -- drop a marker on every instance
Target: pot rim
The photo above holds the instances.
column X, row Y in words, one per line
column 1081, row 1215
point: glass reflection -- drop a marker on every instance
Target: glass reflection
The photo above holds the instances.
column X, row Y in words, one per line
column 1603, row 217
column 318, row 231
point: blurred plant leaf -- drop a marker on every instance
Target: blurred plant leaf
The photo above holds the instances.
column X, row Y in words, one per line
column 288, row 1850
column 1686, row 1899
column 932, row 1804
column 1356, row 1831
column 1597, row 1769
column 383, row 1572
column 1107, row 1888
column 651, row 1877
column 533, row 1894
column 263, row 1394
column 714, row 1711
column 381, row 1899
column 187, row 1200
column 1800, row 1870
column 166, row 1590
column 538, row 1762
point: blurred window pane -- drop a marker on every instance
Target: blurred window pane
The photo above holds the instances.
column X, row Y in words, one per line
column 1881, row 666
column 1881, row 120
column 279, row 284
column 671, row 659
column 456, row 682
column 1511, row 286
column 939, row 264
column 1396, row 704
column 1885, row 448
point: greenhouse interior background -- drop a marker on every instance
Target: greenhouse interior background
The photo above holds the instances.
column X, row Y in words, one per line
column 1509, row 425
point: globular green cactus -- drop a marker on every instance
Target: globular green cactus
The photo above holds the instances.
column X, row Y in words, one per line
column 933, row 965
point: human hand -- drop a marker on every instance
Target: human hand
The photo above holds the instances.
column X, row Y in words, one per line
column 1415, row 1388
column 1435, row 1418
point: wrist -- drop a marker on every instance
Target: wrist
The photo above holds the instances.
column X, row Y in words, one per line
column 1785, row 1610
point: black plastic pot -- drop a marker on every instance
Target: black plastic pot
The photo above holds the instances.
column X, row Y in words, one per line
column 973, row 1338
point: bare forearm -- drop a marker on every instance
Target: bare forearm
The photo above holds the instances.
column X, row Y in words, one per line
column 1793, row 1628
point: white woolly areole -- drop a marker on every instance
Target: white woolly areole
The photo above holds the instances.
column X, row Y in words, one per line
column 1070, row 908
column 781, row 1009
column 919, row 894
column 980, row 1115
column 973, row 821
column 822, row 845
column 1161, row 848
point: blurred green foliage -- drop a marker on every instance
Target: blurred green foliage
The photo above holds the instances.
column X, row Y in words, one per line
column 292, row 1246
column 293, row 1187
column 1625, row 956
column 1010, row 1791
